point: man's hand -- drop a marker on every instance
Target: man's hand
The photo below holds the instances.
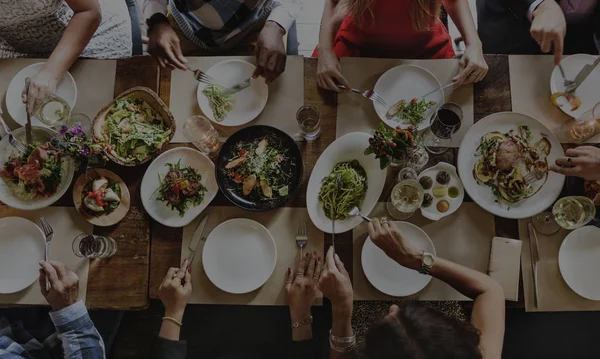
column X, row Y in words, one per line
column 270, row 52
column 549, row 28
column 163, row 45
column 175, row 291
column 64, row 284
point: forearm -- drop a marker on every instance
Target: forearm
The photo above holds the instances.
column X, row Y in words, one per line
column 285, row 12
column 460, row 13
column 77, row 333
column 151, row 7
column 330, row 24
column 304, row 330
column 341, row 326
column 169, row 329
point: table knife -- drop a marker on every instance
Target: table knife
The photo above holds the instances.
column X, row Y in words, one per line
column 196, row 237
column 238, row 87
column 535, row 258
column 583, row 74
column 28, row 138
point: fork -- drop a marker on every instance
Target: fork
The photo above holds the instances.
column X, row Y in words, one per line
column 369, row 94
column 49, row 234
column 201, row 76
column 533, row 176
column 301, row 237
column 568, row 83
column 355, row 212
column 11, row 138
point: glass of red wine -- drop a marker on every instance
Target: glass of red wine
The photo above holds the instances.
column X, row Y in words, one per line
column 445, row 122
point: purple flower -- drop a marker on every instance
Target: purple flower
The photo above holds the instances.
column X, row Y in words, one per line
column 63, row 130
column 76, row 130
column 84, row 150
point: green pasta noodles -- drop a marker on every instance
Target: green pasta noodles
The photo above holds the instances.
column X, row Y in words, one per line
column 220, row 103
column 343, row 189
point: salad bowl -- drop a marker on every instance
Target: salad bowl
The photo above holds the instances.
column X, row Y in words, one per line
column 138, row 112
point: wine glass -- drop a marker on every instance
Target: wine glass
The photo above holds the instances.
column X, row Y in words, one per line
column 406, row 196
column 445, row 122
column 568, row 212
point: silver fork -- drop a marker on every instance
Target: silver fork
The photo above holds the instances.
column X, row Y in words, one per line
column 49, row 234
column 201, row 76
column 369, row 94
column 302, row 237
column 533, row 176
column 11, row 138
column 568, row 83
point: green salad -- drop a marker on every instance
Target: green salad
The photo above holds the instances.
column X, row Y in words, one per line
column 410, row 112
column 134, row 130
column 220, row 103
column 181, row 187
column 343, row 189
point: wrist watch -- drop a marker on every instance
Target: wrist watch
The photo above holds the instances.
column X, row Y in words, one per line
column 156, row 19
column 427, row 260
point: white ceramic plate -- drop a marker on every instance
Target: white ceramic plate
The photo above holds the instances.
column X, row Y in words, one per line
column 587, row 92
column 482, row 194
column 431, row 212
column 239, row 256
column 346, row 148
column 40, row 135
column 66, row 89
column 407, row 82
column 578, row 261
column 159, row 210
column 22, row 247
column 249, row 102
column 389, row 277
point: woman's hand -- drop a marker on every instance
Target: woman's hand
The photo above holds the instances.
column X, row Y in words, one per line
column 583, row 161
column 44, row 82
column 387, row 236
column 163, row 45
column 175, row 290
column 335, row 284
column 301, row 286
column 472, row 66
column 329, row 72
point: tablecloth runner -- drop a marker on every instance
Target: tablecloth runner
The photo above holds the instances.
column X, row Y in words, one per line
column 67, row 223
column 356, row 114
column 283, row 224
column 286, row 96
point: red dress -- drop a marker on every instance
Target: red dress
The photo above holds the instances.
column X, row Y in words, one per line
column 389, row 34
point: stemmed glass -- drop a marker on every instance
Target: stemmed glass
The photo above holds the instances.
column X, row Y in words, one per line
column 445, row 122
column 568, row 212
column 407, row 195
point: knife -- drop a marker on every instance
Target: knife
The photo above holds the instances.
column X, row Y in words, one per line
column 196, row 237
column 237, row 88
column 28, row 124
column 535, row 258
column 583, row 74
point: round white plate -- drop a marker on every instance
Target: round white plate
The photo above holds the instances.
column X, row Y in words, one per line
column 66, row 89
column 578, row 261
column 482, row 194
column 431, row 212
column 346, row 148
column 407, row 82
column 588, row 90
column 249, row 102
column 239, row 256
column 389, row 277
column 40, row 135
column 22, row 247
column 159, row 210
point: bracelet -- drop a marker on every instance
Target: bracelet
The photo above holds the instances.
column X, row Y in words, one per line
column 341, row 349
column 308, row 320
column 342, row 340
column 342, row 344
column 171, row 319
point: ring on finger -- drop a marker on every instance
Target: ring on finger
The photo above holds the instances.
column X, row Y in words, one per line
column 299, row 274
column 474, row 74
column 384, row 220
column 569, row 161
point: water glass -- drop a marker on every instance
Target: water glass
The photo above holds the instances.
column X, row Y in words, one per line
column 309, row 120
column 87, row 245
column 584, row 128
column 445, row 122
column 199, row 131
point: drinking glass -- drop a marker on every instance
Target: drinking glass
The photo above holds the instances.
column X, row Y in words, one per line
column 51, row 109
column 445, row 122
column 309, row 120
column 87, row 245
column 545, row 223
column 573, row 212
column 406, row 199
column 199, row 131
column 82, row 120
column 584, row 128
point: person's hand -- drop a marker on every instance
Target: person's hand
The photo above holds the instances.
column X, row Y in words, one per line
column 583, row 161
column 387, row 236
column 335, row 284
column 270, row 52
column 64, row 284
column 472, row 66
column 163, row 45
column 44, row 82
column 301, row 286
column 175, row 290
column 549, row 28
column 329, row 72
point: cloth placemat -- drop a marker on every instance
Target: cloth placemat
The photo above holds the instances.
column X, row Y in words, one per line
column 283, row 224
column 67, row 224
column 554, row 293
column 286, row 96
column 464, row 237
column 356, row 114
column 530, row 92
column 95, row 81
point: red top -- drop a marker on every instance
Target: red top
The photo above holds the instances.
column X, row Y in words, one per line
column 389, row 34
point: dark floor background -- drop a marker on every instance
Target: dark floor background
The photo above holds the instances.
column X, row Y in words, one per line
column 212, row 331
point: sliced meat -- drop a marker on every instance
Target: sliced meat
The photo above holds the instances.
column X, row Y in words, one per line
column 249, row 184
column 266, row 190
column 38, row 154
column 262, row 146
column 509, row 154
column 235, row 163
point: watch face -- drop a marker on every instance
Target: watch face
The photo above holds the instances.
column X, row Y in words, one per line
column 427, row 259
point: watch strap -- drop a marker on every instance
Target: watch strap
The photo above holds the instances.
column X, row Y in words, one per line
column 425, row 269
column 156, row 19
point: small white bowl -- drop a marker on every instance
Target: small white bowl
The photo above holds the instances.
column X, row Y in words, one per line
column 431, row 212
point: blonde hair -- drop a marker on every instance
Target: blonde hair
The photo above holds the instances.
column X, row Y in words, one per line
column 422, row 12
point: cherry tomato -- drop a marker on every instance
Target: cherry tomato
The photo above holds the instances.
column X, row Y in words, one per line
column 176, row 188
column 413, row 101
column 242, row 153
column 237, row 178
column 191, row 189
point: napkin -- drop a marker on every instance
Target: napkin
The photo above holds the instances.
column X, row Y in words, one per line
column 505, row 265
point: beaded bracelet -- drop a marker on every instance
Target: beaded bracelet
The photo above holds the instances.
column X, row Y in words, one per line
column 173, row 320
column 308, row 320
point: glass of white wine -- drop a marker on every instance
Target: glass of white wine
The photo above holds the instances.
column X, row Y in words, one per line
column 51, row 110
column 573, row 212
column 406, row 199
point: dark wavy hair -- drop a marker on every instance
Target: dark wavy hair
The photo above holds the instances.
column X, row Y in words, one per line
column 419, row 332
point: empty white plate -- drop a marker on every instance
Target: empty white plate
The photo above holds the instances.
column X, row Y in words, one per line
column 578, row 261
column 248, row 103
column 389, row 277
column 66, row 89
column 407, row 82
column 22, row 247
column 239, row 256
column 588, row 90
